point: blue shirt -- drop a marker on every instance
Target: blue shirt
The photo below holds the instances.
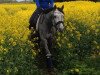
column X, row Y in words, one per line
column 45, row 4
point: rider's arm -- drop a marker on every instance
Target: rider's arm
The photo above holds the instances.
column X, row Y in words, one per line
column 51, row 3
column 37, row 3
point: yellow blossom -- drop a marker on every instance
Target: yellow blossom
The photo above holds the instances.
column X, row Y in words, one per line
column 11, row 40
column 95, row 42
column 69, row 45
column 76, row 70
column 14, row 43
column 98, row 47
column 93, row 27
column 33, row 53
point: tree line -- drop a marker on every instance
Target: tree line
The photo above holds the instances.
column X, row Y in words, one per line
column 2, row 1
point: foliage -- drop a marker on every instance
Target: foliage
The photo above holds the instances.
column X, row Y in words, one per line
column 79, row 42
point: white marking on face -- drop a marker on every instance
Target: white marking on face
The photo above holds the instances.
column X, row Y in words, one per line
column 58, row 16
column 61, row 26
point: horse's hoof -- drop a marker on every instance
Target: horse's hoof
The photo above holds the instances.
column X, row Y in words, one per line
column 48, row 55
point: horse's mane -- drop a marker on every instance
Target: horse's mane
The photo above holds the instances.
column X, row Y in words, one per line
column 48, row 10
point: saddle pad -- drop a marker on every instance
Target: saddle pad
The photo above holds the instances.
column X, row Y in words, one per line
column 40, row 19
column 37, row 24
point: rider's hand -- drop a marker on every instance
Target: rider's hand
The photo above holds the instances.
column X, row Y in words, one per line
column 31, row 28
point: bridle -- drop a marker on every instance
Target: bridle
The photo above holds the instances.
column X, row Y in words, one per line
column 56, row 24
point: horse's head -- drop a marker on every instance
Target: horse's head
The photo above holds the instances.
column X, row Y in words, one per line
column 58, row 18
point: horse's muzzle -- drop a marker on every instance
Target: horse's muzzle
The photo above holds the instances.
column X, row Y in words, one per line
column 61, row 27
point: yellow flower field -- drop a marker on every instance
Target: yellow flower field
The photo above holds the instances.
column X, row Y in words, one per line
column 82, row 24
column 14, row 18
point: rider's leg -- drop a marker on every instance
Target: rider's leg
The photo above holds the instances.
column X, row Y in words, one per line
column 34, row 17
column 33, row 21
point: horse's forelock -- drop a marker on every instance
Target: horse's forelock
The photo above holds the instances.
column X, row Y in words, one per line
column 56, row 11
column 60, row 10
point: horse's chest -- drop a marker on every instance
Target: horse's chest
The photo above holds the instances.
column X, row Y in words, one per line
column 44, row 29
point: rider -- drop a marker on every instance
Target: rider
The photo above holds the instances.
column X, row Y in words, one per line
column 41, row 6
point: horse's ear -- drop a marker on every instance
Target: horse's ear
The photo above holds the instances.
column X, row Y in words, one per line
column 62, row 7
column 55, row 6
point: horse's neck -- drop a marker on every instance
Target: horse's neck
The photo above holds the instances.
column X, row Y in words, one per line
column 48, row 17
column 47, row 23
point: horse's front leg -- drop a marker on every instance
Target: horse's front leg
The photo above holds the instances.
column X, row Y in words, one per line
column 48, row 35
column 48, row 54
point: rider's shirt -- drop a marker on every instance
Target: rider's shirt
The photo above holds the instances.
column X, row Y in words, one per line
column 45, row 4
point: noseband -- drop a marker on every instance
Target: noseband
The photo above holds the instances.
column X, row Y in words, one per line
column 56, row 24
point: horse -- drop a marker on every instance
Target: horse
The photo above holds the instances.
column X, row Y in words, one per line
column 52, row 20
column 49, row 22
